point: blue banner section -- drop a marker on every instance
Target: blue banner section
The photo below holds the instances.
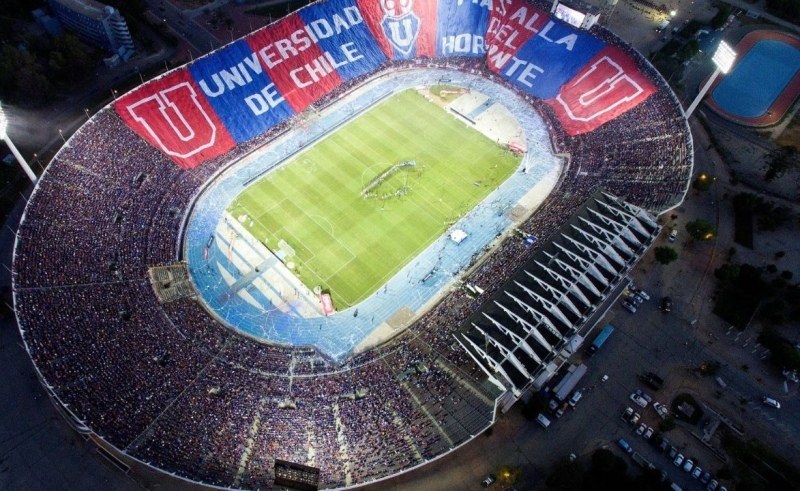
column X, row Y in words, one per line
column 339, row 29
column 551, row 58
column 241, row 93
column 462, row 26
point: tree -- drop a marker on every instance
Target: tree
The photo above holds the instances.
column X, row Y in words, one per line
column 565, row 476
column 666, row 254
column 700, row 229
column 690, row 49
column 721, row 16
column 727, row 273
column 667, row 425
column 710, row 368
column 780, row 161
column 607, row 472
column 68, row 60
column 774, row 218
column 746, row 202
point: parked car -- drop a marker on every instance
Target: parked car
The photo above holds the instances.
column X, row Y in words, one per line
column 664, row 445
column 712, row 485
column 490, row 479
column 624, row 445
column 697, row 472
column 643, row 395
column 626, row 416
column 666, row 305
column 678, row 460
column 635, row 299
column 635, row 418
column 643, row 294
column 639, row 400
column 688, row 465
column 706, row 477
column 641, row 428
column 629, row 307
column 673, row 451
column 771, row 402
column 673, row 234
column 652, row 380
column 648, row 433
column 661, row 409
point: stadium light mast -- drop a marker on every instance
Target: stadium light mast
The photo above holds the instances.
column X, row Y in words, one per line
column 723, row 59
column 4, row 136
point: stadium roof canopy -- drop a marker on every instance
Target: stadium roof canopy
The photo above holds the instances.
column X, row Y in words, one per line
column 525, row 325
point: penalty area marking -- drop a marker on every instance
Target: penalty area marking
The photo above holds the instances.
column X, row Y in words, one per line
column 331, row 230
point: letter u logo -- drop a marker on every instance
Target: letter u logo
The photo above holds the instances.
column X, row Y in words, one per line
column 602, row 88
column 175, row 121
column 402, row 32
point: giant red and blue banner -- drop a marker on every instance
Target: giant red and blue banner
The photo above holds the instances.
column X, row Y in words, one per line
column 238, row 92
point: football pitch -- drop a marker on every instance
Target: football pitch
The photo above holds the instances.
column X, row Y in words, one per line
column 354, row 208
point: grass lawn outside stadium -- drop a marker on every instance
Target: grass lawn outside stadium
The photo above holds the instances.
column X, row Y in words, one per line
column 311, row 211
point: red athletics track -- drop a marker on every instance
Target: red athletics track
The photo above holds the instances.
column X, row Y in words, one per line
column 784, row 100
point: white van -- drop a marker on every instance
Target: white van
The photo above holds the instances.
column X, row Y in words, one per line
column 542, row 419
column 771, row 402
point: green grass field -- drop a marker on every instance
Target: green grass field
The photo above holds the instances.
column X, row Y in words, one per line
column 350, row 244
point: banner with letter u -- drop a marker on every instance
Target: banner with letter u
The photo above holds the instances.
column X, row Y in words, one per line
column 236, row 93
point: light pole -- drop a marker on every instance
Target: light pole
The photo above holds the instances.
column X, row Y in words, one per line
column 36, row 158
column 4, row 136
column 723, row 59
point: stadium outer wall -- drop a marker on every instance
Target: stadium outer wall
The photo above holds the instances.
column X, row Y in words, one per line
column 26, row 281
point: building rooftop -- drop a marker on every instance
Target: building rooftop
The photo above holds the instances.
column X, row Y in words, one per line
column 89, row 8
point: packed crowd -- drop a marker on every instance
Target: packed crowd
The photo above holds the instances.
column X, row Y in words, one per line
column 173, row 387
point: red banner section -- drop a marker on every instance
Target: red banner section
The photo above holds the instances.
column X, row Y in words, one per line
column 404, row 29
column 606, row 87
column 236, row 93
column 174, row 116
column 301, row 70
column 511, row 24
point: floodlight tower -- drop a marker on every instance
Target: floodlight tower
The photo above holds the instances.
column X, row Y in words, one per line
column 4, row 136
column 723, row 59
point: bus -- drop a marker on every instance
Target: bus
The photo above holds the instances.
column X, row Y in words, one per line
column 601, row 338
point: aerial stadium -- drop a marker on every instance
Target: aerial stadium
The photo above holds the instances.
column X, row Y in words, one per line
column 333, row 250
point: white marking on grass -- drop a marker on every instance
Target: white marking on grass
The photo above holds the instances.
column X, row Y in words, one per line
column 328, row 222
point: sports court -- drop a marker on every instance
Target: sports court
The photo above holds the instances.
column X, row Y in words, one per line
column 769, row 60
column 248, row 289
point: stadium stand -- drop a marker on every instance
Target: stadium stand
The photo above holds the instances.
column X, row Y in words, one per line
column 172, row 386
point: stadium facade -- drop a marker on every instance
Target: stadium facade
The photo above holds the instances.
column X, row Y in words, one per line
column 523, row 334
column 171, row 386
column 96, row 23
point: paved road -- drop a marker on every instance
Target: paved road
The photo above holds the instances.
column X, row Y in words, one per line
column 183, row 24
